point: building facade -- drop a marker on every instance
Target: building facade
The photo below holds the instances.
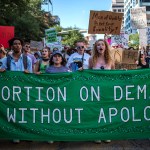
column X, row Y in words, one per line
column 146, row 3
column 118, row 6
column 128, row 5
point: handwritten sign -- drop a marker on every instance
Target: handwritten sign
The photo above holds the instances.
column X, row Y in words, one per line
column 105, row 22
column 51, row 35
column 124, row 56
column 6, row 33
column 138, row 18
column 56, row 44
column 125, row 66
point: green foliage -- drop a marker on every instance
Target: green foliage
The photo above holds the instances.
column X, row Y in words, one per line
column 27, row 17
column 134, row 40
column 30, row 21
column 71, row 37
column 58, row 28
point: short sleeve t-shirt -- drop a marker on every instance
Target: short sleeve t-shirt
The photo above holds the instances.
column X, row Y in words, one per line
column 53, row 69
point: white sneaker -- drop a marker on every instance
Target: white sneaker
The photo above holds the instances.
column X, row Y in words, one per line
column 50, row 142
column 107, row 141
column 98, row 141
column 16, row 141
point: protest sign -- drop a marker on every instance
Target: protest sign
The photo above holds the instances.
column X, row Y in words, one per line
column 102, row 22
column 38, row 45
column 138, row 18
column 121, row 40
column 50, row 35
column 143, row 37
column 125, row 66
column 6, row 33
column 87, row 105
column 56, row 44
column 120, row 55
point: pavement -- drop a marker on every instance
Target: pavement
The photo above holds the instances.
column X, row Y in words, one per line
column 114, row 145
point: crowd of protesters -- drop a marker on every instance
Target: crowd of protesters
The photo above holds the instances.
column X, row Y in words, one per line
column 20, row 58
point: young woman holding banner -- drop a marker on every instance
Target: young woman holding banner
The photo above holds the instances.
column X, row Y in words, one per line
column 101, row 59
column 43, row 63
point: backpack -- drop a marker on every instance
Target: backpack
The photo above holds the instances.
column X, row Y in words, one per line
column 25, row 64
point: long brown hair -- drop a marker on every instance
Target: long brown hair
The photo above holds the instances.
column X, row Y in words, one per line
column 95, row 53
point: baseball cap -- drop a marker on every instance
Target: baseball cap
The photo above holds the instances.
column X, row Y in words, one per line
column 57, row 52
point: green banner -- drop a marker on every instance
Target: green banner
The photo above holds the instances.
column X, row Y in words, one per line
column 80, row 106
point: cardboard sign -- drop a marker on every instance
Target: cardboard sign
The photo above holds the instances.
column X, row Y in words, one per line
column 138, row 18
column 36, row 45
column 6, row 33
column 125, row 66
column 102, row 22
column 124, row 56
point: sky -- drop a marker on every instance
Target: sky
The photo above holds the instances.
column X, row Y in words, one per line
column 75, row 13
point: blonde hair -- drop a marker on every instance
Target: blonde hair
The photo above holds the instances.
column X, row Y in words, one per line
column 95, row 53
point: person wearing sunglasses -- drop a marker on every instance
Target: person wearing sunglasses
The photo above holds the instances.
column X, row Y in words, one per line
column 26, row 51
column 78, row 60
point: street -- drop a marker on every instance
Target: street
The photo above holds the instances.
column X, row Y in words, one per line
column 114, row 145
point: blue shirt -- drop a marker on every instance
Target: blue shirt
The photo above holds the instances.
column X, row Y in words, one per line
column 53, row 69
column 17, row 65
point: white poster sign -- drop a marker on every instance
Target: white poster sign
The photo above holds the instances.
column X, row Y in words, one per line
column 138, row 18
column 143, row 37
column 56, row 44
column 36, row 45
column 121, row 40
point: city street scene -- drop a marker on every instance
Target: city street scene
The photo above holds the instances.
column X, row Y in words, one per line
column 75, row 74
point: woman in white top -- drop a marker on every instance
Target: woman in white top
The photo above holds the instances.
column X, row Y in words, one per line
column 101, row 58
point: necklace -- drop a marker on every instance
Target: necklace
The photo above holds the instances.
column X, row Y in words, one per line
column 45, row 59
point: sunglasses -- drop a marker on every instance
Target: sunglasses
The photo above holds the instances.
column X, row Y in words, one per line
column 80, row 47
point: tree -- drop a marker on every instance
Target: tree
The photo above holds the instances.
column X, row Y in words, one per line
column 72, row 35
column 27, row 17
column 134, row 40
column 69, row 35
